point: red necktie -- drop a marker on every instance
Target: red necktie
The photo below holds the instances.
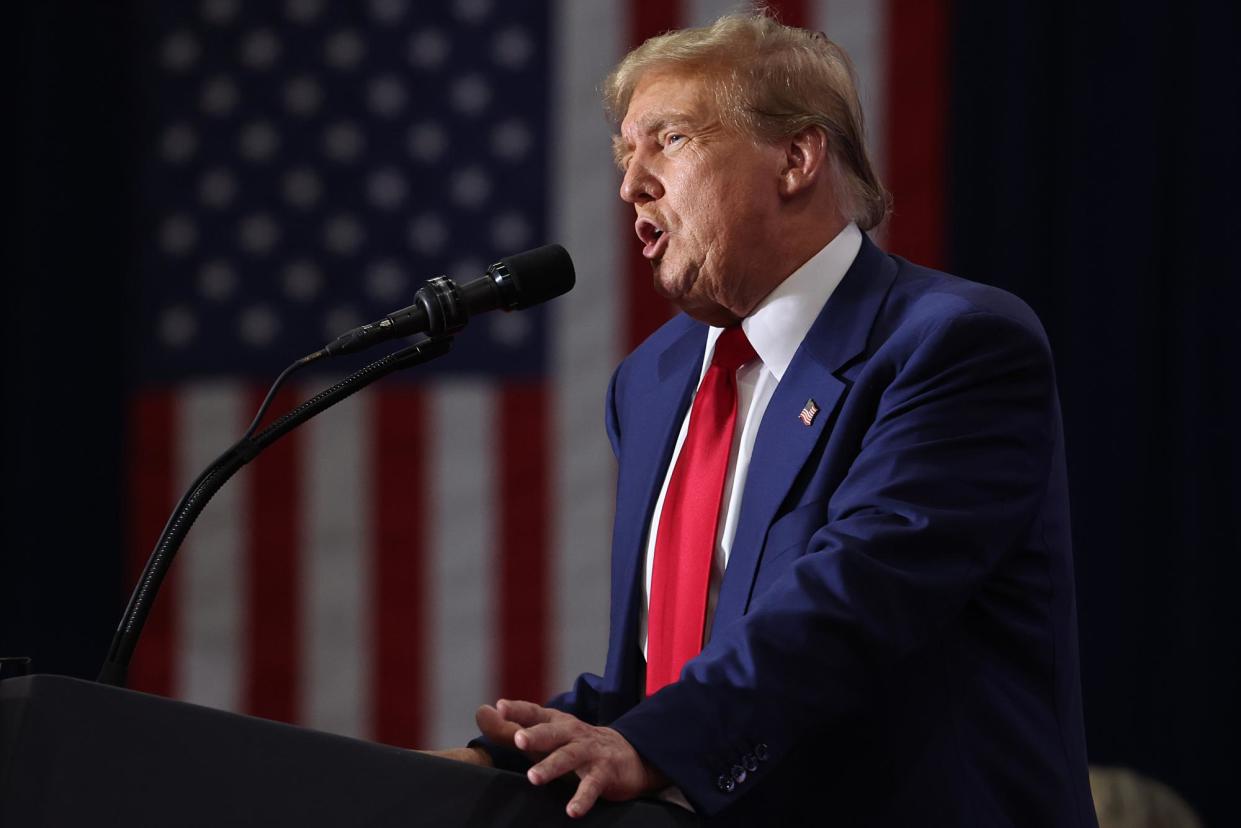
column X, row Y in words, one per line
column 685, row 542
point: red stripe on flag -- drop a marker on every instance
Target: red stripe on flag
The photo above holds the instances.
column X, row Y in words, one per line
column 645, row 310
column 917, row 123
column 152, row 495
column 524, row 519
column 791, row 12
column 398, row 620
column 648, row 18
column 272, row 540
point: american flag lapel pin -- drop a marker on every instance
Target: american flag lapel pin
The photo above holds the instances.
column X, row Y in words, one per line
column 808, row 413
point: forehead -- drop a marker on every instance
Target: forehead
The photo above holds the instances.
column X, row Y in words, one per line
column 662, row 97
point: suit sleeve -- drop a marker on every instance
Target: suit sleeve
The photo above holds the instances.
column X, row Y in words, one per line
column 951, row 471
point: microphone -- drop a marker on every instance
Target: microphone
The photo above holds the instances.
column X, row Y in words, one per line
column 442, row 307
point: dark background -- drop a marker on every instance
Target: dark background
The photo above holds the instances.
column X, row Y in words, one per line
column 1093, row 171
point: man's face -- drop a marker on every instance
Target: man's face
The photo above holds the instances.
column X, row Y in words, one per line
column 707, row 198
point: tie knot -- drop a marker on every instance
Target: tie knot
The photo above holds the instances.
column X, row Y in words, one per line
column 732, row 349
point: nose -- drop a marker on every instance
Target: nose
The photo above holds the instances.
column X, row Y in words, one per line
column 640, row 185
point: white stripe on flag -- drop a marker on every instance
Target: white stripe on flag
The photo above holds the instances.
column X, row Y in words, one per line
column 336, row 645
column 461, row 592
column 210, row 649
column 587, row 334
column 706, row 12
column 859, row 27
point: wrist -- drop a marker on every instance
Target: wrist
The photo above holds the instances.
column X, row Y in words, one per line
column 655, row 779
column 481, row 756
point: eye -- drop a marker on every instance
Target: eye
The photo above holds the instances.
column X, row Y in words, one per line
column 673, row 138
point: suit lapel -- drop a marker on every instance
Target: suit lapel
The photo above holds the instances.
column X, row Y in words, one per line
column 784, row 442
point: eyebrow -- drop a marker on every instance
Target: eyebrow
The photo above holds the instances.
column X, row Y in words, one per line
column 619, row 150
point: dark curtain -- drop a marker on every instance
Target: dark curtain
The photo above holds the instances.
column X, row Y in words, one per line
column 68, row 243
column 1094, row 173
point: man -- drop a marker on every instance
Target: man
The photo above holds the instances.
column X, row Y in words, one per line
column 841, row 471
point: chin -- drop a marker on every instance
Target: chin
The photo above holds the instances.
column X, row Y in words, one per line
column 671, row 288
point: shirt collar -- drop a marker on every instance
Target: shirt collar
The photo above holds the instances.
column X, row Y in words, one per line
column 781, row 321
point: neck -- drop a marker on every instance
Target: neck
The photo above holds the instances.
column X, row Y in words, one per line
column 805, row 234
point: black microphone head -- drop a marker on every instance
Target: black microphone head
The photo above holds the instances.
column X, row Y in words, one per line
column 534, row 276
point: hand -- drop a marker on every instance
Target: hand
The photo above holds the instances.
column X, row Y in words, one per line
column 606, row 763
column 492, row 723
column 469, row 755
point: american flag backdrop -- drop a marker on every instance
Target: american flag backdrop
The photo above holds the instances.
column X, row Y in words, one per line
column 441, row 539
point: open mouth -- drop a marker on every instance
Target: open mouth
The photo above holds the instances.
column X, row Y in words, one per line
column 652, row 236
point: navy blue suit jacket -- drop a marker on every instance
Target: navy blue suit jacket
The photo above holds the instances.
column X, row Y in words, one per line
column 895, row 641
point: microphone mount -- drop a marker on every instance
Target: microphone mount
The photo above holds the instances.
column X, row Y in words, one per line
column 438, row 310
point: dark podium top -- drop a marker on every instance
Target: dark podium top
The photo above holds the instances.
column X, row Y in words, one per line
column 77, row 753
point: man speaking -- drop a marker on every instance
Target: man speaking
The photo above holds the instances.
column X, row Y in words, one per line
column 841, row 576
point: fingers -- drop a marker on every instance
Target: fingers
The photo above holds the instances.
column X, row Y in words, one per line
column 557, row 764
column 535, row 728
column 492, row 724
column 548, row 737
column 523, row 712
column 603, row 760
column 607, row 765
column 530, row 728
column 584, row 799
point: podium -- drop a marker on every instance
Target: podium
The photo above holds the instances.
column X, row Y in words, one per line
column 76, row 753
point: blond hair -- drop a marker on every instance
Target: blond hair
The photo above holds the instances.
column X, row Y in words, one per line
column 770, row 81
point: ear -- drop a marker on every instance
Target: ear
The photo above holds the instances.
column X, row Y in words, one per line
column 805, row 161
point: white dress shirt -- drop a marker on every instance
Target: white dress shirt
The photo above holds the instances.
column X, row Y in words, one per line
column 775, row 329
